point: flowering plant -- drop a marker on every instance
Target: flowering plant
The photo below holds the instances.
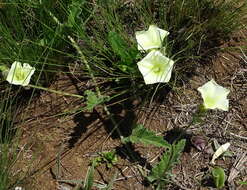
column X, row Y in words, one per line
column 155, row 66
column 20, row 75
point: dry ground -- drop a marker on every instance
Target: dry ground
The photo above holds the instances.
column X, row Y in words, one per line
column 70, row 141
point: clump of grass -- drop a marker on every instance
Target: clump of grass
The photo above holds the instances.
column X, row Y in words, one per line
column 195, row 27
column 8, row 140
column 37, row 33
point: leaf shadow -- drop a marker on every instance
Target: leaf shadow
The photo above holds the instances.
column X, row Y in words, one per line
column 177, row 134
column 120, row 122
column 127, row 151
column 82, row 120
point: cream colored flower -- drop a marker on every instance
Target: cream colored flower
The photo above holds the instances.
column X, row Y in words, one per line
column 155, row 67
column 20, row 75
column 214, row 96
column 150, row 39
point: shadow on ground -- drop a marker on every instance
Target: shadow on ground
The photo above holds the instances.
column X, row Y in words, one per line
column 83, row 120
column 177, row 134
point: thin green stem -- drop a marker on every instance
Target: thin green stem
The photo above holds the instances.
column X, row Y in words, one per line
column 56, row 91
column 83, row 58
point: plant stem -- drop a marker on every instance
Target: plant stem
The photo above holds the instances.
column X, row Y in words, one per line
column 56, row 91
column 84, row 60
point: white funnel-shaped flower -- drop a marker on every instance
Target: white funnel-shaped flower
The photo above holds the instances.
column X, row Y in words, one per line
column 150, row 39
column 20, row 75
column 156, row 67
column 214, row 96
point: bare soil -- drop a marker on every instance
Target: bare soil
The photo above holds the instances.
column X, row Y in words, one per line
column 56, row 146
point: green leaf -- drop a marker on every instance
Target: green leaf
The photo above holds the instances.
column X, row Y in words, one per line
column 119, row 46
column 3, row 68
column 142, row 135
column 242, row 182
column 122, row 49
column 88, row 184
column 177, row 150
column 93, row 100
column 160, row 172
column 219, row 177
column 109, row 158
column 74, row 12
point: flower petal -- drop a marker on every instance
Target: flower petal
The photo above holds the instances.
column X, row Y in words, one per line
column 214, row 96
column 150, row 39
column 20, row 75
column 156, row 67
column 223, row 104
column 14, row 67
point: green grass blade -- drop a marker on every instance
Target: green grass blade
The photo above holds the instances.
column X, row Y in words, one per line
column 88, row 184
